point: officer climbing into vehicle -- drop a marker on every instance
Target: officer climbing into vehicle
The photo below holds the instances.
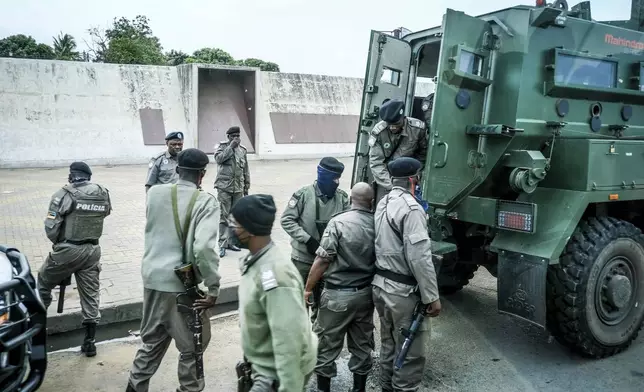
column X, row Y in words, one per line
column 307, row 214
column 181, row 232
column 162, row 168
column 232, row 182
column 346, row 257
column 395, row 136
column 277, row 339
column 74, row 225
column 404, row 277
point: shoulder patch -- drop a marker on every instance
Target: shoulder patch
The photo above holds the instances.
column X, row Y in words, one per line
column 51, row 215
column 269, row 282
column 416, row 123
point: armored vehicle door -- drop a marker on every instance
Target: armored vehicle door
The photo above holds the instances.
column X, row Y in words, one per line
column 387, row 77
column 459, row 103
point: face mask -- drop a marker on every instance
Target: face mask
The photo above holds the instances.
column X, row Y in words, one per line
column 235, row 240
column 327, row 182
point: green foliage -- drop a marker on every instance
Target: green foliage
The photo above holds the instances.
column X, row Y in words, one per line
column 261, row 64
column 26, row 47
column 211, row 56
column 65, row 48
column 176, row 57
column 127, row 42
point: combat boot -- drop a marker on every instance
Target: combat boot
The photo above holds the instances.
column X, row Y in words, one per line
column 324, row 384
column 359, row 383
column 89, row 347
column 130, row 388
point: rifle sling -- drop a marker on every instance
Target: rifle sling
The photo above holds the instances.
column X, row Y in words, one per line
column 182, row 234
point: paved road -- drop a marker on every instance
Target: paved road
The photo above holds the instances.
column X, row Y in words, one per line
column 473, row 348
column 25, row 195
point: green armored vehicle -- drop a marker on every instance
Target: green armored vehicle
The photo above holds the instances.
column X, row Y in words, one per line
column 535, row 164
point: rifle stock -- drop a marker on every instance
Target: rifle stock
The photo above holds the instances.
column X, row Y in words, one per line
column 410, row 335
column 61, row 294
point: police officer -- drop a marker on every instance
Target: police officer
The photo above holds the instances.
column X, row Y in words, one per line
column 281, row 347
column 393, row 137
column 404, row 276
column 74, row 224
column 347, row 258
column 169, row 206
column 162, row 168
column 307, row 214
column 232, row 182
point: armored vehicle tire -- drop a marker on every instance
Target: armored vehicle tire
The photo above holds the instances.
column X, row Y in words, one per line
column 456, row 277
column 595, row 294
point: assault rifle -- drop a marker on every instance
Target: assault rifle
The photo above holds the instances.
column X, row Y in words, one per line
column 61, row 294
column 185, row 302
column 244, row 379
column 410, row 334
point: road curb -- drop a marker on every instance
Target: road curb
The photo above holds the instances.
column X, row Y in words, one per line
column 114, row 314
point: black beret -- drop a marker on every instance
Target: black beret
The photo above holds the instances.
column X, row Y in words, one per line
column 255, row 213
column 332, row 165
column 403, row 167
column 174, row 135
column 232, row 130
column 80, row 167
column 392, row 111
column 192, row 159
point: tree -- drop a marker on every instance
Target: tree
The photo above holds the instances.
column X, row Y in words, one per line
column 127, row 42
column 211, row 56
column 65, row 48
column 261, row 64
column 22, row 46
column 176, row 57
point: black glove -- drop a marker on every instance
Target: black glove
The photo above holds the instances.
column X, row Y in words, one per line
column 312, row 245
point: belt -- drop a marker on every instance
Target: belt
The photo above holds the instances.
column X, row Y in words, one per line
column 93, row 242
column 332, row 286
column 396, row 277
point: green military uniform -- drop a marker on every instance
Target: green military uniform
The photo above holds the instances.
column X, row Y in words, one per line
column 404, row 275
column 306, row 216
column 386, row 146
column 161, row 321
column 162, row 169
column 346, row 304
column 232, row 182
column 74, row 225
column 276, row 334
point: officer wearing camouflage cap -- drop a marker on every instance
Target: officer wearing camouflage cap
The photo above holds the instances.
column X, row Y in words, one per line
column 162, row 168
column 74, row 224
column 307, row 214
column 177, row 213
column 405, row 275
column 395, row 136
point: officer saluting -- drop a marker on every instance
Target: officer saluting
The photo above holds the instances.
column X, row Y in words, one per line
column 404, row 276
column 162, row 168
column 347, row 255
column 275, row 331
column 395, row 136
column 74, row 225
column 307, row 214
column 182, row 224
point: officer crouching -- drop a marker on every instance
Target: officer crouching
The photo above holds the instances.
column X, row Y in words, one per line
column 74, row 225
column 346, row 257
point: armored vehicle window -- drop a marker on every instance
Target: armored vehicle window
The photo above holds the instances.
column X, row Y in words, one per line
column 585, row 71
column 390, row 76
column 470, row 63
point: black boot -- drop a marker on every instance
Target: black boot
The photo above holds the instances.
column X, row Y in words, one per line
column 130, row 388
column 324, row 384
column 359, row 383
column 88, row 347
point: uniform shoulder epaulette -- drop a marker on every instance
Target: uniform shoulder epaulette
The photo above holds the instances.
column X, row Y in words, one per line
column 222, row 143
column 376, row 131
column 416, row 123
column 342, row 192
column 411, row 201
column 159, row 155
column 243, row 147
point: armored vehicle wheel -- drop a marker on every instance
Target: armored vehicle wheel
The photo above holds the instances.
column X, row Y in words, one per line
column 454, row 278
column 596, row 294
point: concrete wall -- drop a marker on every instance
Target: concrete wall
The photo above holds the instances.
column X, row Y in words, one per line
column 55, row 112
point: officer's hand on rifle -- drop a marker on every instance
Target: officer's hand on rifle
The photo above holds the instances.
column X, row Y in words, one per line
column 433, row 309
column 205, row 303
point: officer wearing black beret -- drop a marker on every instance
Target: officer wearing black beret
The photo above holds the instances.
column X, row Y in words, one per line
column 162, row 168
column 404, row 276
column 307, row 214
column 74, row 225
column 232, row 181
column 395, row 136
column 174, row 237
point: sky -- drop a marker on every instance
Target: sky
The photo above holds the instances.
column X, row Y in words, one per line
column 329, row 37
